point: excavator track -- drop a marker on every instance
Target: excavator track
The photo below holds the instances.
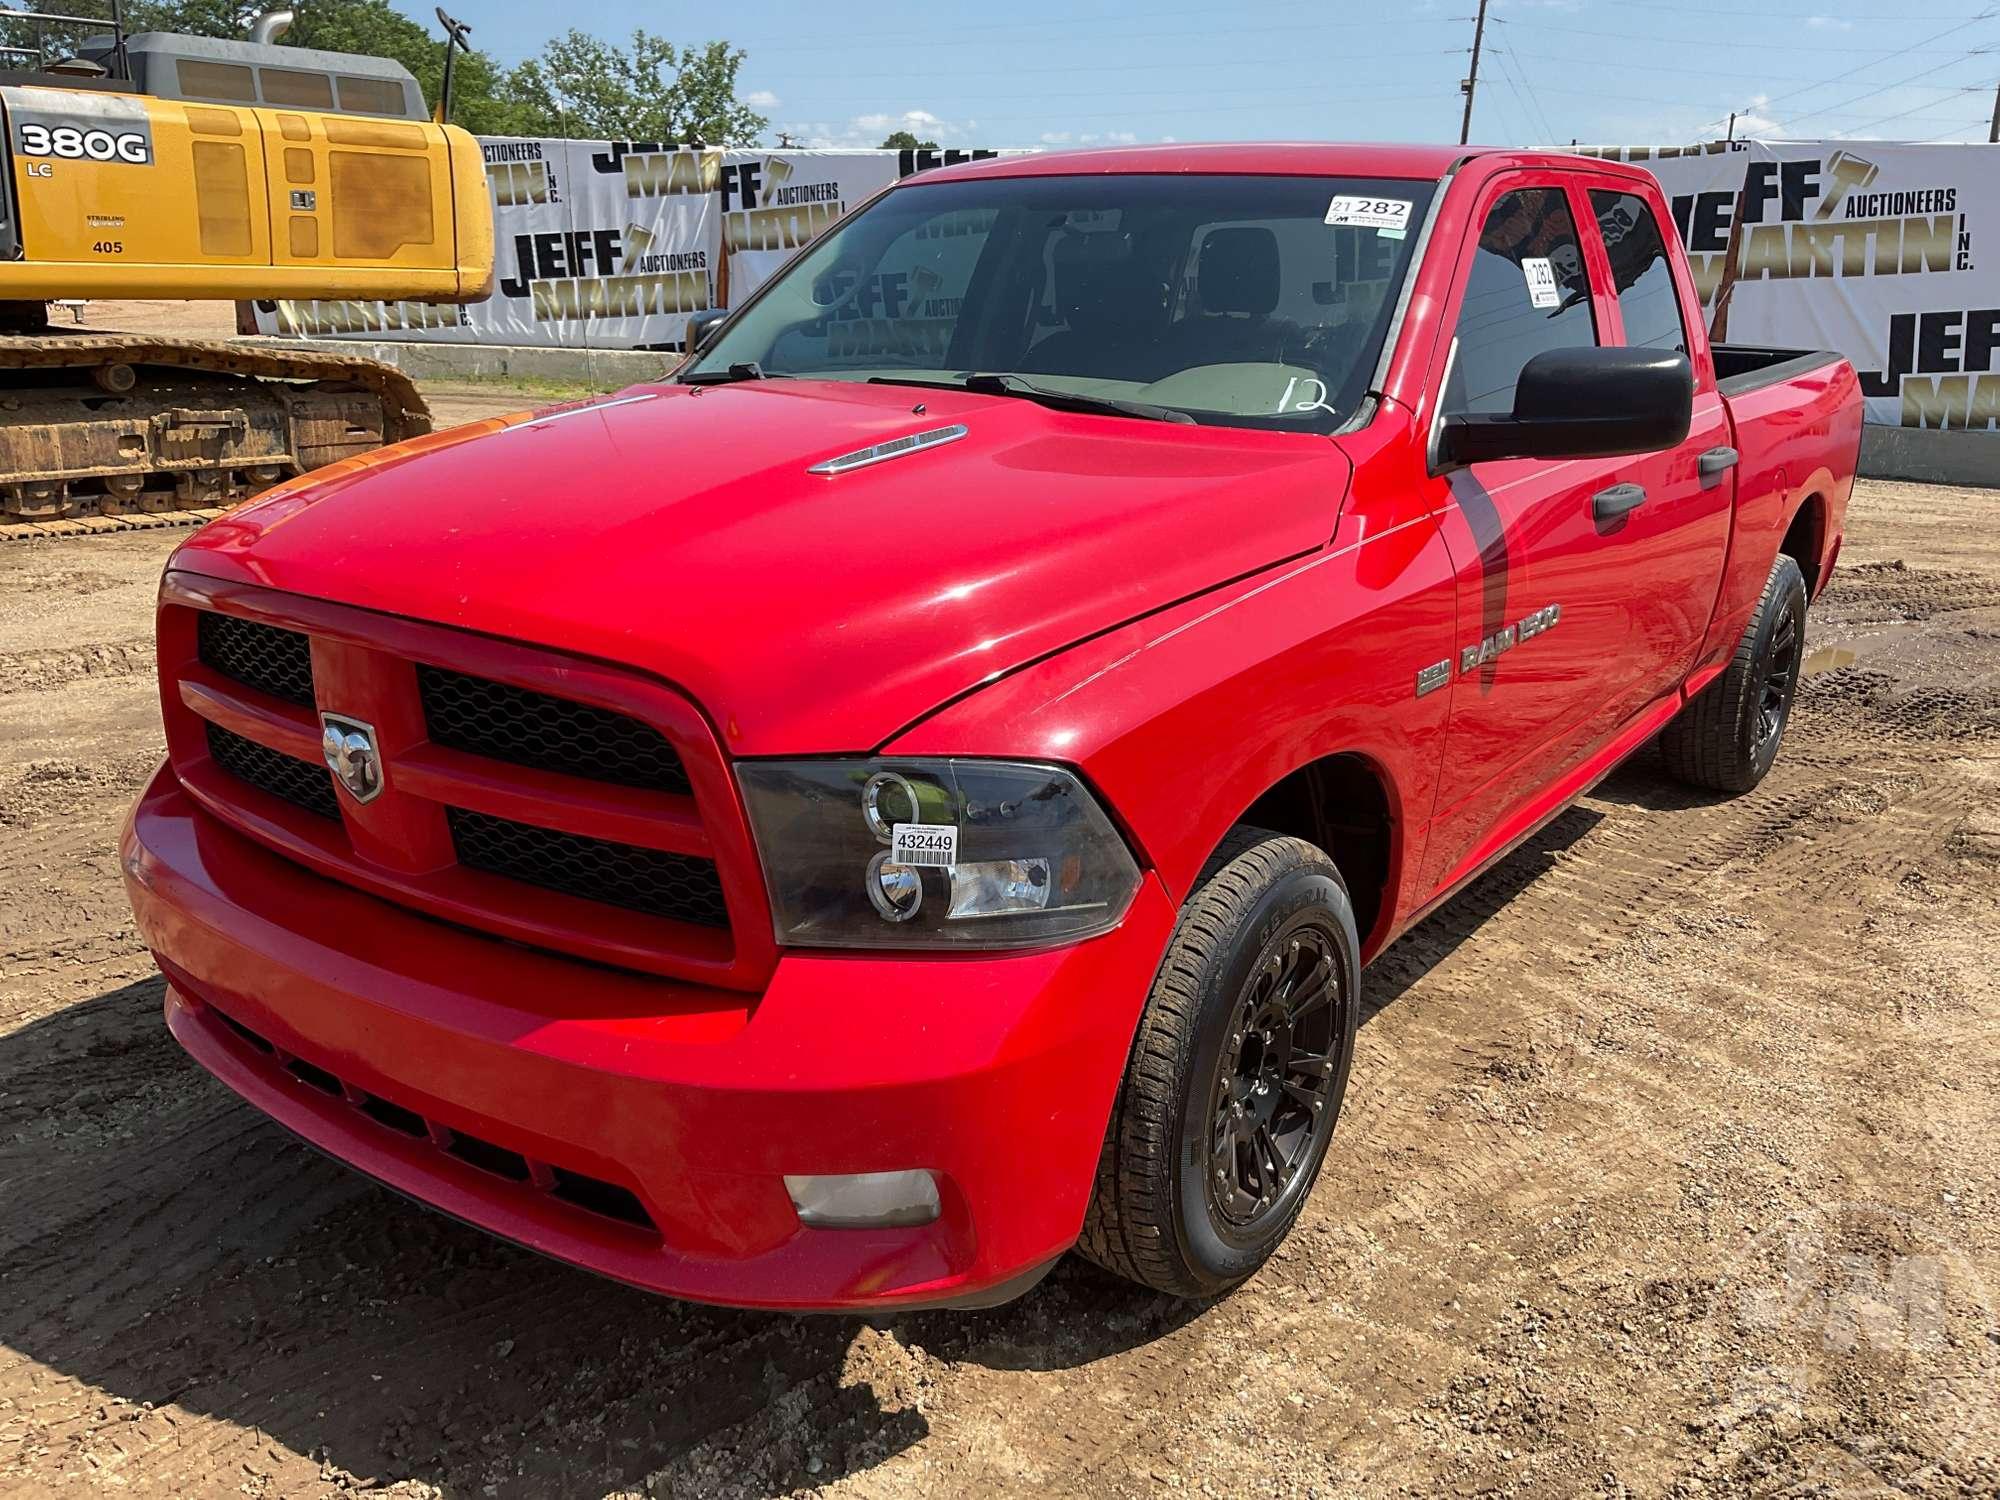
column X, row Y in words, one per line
column 114, row 432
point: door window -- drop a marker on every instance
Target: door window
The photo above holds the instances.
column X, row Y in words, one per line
column 1528, row 293
column 1640, row 270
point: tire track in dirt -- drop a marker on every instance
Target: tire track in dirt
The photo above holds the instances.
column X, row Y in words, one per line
column 22, row 671
column 1658, row 1028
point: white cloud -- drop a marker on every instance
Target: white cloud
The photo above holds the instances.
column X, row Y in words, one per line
column 870, row 129
column 1088, row 138
column 1829, row 23
column 1696, row 122
column 762, row 99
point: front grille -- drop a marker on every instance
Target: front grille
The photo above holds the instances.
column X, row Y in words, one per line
column 302, row 783
column 274, row 661
column 526, row 728
column 565, row 772
column 577, row 1189
column 660, row 884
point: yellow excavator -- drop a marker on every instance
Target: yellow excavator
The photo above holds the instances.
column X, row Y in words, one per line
column 163, row 166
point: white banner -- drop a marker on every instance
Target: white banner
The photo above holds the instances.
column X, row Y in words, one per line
column 1889, row 253
column 612, row 244
column 597, row 244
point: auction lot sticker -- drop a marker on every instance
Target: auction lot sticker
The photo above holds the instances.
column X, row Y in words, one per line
column 934, row 845
column 1369, row 213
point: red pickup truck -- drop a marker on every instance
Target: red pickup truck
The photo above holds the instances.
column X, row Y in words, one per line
column 915, row 792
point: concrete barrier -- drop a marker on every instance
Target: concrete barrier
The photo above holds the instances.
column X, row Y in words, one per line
column 606, row 369
column 1930, row 456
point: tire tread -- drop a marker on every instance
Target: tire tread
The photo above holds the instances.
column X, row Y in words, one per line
column 1128, row 1228
column 1708, row 744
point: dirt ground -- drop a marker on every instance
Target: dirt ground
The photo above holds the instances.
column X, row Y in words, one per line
column 1667, row 1168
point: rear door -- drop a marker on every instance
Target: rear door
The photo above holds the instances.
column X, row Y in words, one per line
column 1676, row 536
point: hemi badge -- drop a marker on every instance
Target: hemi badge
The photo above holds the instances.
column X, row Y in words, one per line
column 1433, row 677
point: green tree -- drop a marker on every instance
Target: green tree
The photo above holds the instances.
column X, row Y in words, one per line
column 652, row 90
column 902, row 140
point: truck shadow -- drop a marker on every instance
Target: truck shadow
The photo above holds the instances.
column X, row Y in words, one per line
column 168, row 1247
column 1405, row 962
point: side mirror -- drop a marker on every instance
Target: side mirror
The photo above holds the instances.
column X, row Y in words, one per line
column 1582, row 403
column 702, row 326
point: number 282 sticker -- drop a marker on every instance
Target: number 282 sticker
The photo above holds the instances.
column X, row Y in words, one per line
column 1353, row 212
column 934, row 845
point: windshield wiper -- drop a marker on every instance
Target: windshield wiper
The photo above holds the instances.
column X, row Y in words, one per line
column 748, row 369
column 1014, row 385
column 986, row 383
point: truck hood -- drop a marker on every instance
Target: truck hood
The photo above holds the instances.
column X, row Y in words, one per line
column 677, row 530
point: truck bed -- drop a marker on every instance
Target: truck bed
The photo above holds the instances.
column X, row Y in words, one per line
column 1741, row 368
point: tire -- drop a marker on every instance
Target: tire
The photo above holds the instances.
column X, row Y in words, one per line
column 1206, row 1094
column 1727, row 738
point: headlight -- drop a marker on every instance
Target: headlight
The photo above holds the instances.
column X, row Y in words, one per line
column 934, row 853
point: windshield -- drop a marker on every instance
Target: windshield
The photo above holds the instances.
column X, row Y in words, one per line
column 1246, row 301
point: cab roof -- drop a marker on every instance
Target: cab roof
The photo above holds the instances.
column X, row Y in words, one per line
column 1261, row 158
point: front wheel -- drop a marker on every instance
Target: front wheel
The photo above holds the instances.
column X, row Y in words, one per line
column 1237, row 1073
column 1727, row 738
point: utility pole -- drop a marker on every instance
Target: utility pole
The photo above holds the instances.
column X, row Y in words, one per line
column 1993, row 134
column 1472, row 79
column 1730, row 139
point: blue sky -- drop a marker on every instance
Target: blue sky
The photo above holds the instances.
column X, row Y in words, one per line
column 1039, row 72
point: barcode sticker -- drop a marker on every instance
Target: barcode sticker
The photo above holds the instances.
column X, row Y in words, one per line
column 930, row 844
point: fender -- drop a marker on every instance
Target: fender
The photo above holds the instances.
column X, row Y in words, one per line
column 1183, row 719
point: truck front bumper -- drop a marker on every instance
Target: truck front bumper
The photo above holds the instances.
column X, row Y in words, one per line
column 640, row 1127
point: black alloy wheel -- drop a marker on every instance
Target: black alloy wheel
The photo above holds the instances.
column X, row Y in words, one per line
column 1269, row 1105
column 1236, row 1074
column 1781, row 678
column 1727, row 737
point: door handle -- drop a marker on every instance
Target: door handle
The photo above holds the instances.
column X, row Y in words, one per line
column 1617, row 502
column 1714, row 464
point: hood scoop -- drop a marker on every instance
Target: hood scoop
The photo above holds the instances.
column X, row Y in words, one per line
column 878, row 453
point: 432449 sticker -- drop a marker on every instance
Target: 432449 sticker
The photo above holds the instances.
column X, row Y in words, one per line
column 934, row 845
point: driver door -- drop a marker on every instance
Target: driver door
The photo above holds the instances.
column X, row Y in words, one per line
column 1536, row 673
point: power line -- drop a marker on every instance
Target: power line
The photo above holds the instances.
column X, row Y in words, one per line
column 1900, row 114
column 1026, row 72
column 1512, row 70
column 1899, row 83
column 930, row 44
column 1768, row 101
column 1782, row 15
column 1567, row 59
column 1703, row 41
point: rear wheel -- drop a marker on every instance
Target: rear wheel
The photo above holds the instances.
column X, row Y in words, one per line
column 1237, row 1073
column 1727, row 738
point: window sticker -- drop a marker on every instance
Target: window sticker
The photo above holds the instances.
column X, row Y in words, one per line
column 1542, row 288
column 1389, row 216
